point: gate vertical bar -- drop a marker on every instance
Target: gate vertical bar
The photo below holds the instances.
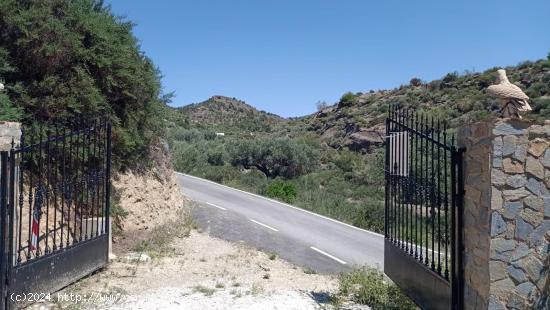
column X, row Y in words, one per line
column 387, row 169
column 108, row 187
column 457, row 238
column 11, row 217
column 3, row 214
column 393, row 154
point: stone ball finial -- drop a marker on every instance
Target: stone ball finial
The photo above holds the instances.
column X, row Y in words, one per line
column 513, row 99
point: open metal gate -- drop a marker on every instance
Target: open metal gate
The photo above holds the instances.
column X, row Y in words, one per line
column 54, row 201
column 423, row 210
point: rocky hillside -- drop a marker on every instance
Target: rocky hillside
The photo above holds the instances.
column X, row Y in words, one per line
column 357, row 121
column 227, row 114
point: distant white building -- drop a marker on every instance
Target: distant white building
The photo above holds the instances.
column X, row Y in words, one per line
column 220, row 134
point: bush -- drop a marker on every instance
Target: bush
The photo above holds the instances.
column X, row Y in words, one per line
column 7, row 111
column 187, row 157
column 450, row 77
column 347, row 161
column 212, row 173
column 538, row 89
column 189, row 135
column 541, row 106
column 251, row 181
column 415, row 82
column 285, row 191
column 371, row 216
column 215, row 158
column 348, row 99
column 367, row 286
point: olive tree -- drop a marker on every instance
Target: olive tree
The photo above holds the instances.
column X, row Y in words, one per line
column 274, row 157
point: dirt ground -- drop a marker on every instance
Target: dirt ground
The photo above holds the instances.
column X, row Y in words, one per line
column 200, row 272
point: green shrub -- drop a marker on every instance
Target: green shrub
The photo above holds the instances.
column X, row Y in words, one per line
column 415, row 82
column 187, row 157
column 251, row 180
column 541, row 106
column 190, row 135
column 367, row 286
column 371, row 216
column 7, row 111
column 348, row 99
column 215, row 158
column 450, row 77
column 285, row 191
column 538, row 89
column 213, row 174
column 347, row 161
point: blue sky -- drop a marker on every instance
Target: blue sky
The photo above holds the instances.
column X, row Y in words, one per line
column 283, row 56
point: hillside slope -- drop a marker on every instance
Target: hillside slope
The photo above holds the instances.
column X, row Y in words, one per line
column 230, row 114
column 357, row 121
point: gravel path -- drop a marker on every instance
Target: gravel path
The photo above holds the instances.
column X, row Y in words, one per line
column 201, row 272
column 178, row 298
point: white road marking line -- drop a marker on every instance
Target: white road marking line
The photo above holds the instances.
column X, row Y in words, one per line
column 328, row 255
column 216, row 206
column 264, row 225
column 284, row 204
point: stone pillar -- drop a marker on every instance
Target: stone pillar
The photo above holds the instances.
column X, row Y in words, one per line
column 506, row 214
column 9, row 131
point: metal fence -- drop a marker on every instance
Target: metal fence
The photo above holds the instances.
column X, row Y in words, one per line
column 54, row 220
column 423, row 199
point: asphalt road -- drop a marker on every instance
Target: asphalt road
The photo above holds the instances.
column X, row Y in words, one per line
column 301, row 237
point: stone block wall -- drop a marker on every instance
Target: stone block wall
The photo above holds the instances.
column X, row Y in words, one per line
column 506, row 214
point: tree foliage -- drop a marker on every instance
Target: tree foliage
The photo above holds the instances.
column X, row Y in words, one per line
column 274, row 157
column 63, row 58
column 7, row 111
column 415, row 82
column 348, row 99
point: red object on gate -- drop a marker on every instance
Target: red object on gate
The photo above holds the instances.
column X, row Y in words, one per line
column 35, row 229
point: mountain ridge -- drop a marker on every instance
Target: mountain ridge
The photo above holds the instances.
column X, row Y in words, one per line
column 229, row 113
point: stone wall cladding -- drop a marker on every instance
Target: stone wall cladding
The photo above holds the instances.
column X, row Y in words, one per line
column 477, row 207
column 515, row 217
